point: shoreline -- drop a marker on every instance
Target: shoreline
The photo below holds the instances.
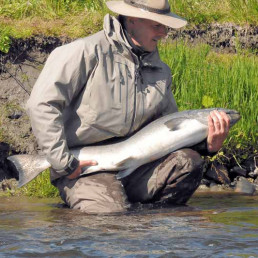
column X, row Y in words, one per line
column 20, row 68
column 223, row 38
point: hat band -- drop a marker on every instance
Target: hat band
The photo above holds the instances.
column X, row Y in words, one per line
column 147, row 8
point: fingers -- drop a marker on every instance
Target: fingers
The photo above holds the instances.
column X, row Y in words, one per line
column 82, row 164
column 85, row 163
column 226, row 121
column 219, row 124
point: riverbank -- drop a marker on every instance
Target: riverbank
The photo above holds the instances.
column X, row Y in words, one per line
column 203, row 77
column 213, row 61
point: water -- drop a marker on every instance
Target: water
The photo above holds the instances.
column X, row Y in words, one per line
column 211, row 225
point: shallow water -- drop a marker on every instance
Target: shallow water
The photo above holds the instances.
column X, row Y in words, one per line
column 211, row 225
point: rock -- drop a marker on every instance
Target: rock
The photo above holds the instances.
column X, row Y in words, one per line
column 203, row 188
column 254, row 174
column 244, row 186
column 8, row 185
column 218, row 173
column 256, row 187
column 238, row 171
column 249, row 164
column 15, row 115
column 205, row 182
column 214, row 187
column 6, row 168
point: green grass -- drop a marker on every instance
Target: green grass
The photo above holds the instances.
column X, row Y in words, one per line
column 39, row 187
column 68, row 18
column 203, row 78
column 47, row 9
column 207, row 11
column 78, row 18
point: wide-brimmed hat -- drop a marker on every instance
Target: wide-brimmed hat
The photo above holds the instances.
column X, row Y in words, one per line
column 155, row 10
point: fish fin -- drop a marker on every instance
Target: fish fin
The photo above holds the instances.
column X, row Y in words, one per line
column 126, row 162
column 28, row 166
column 125, row 167
column 174, row 123
column 123, row 173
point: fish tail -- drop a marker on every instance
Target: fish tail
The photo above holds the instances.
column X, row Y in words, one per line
column 28, row 166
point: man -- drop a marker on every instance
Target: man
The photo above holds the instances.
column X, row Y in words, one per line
column 110, row 85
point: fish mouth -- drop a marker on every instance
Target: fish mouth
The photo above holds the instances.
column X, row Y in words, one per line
column 234, row 116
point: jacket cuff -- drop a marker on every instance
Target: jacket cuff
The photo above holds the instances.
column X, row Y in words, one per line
column 202, row 148
column 72, row 165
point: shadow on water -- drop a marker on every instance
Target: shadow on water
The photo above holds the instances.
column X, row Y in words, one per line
column 217, row 225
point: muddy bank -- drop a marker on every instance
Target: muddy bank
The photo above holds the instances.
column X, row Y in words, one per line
column 223, row 37
column 20, row 68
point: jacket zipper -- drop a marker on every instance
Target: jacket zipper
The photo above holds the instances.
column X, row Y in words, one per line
column 134, row 107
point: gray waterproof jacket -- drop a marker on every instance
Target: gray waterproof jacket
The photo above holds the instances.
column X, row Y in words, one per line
column 94, row 89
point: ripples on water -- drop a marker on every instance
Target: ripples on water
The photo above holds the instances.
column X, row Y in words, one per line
column 218, row 225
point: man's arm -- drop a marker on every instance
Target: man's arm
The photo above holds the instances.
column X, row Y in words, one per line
column 61, row 80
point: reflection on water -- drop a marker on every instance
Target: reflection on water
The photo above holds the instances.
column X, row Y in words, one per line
column 218, row 225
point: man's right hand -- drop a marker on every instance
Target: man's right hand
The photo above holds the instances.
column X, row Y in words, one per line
column 83, row 163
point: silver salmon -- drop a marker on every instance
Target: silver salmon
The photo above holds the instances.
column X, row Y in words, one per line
column 159, row 138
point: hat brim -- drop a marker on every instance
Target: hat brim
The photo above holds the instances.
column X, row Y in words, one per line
column 170, row 19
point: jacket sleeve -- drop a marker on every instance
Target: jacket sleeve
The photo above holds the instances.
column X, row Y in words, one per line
column 62, row 78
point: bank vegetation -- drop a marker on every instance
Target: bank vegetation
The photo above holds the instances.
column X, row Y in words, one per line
column 202, row 77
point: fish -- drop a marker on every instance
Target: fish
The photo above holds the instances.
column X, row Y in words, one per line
column 157, row 139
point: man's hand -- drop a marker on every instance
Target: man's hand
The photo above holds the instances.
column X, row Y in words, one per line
column 83, row 163
column 219, row 124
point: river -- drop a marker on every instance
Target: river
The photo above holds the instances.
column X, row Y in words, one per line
column 211, row 225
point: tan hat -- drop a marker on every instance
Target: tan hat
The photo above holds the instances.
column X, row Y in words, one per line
column 155, row 10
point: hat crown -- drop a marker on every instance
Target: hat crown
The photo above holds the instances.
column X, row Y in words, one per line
column 159, row 6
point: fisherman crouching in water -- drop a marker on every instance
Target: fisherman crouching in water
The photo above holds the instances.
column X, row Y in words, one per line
column 110, row 85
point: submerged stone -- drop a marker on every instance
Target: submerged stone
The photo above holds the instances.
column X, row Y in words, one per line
column 244, row 186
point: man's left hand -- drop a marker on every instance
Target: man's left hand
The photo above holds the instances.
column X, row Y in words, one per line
column 219, row 124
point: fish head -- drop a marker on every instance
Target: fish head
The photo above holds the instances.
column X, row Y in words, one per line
column 233, row 115
column 202, row 115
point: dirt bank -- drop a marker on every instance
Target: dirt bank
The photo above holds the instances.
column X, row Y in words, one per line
column 20, row 68
column 223, row 37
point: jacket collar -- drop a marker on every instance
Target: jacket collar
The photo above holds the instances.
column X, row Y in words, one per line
column 115, row 34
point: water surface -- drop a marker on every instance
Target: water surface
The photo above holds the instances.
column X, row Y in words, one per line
column 211, row 225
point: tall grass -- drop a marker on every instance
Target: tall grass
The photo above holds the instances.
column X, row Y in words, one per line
column 199, row 11
column 77, row 18
column 22, row 19
column 39, row 187
column 203, row 78
column 196, row 10
column 47, row 9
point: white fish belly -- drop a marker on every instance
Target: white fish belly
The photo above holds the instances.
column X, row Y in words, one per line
column 160, row 142
column 144, row 148
column 111, row 158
